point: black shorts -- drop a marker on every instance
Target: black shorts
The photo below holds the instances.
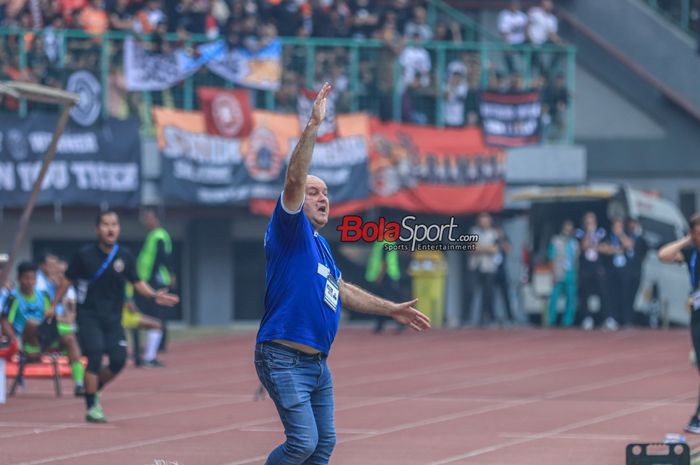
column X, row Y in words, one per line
column 100, row 335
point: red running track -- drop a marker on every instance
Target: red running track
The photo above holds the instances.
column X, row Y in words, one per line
column 506, row 397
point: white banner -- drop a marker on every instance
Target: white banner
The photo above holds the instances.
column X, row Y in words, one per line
column 259, row 70
column 146, row 71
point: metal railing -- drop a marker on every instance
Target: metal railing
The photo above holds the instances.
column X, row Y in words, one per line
column 370, row 72
column 679, row 12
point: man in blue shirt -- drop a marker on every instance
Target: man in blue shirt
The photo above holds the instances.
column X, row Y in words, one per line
column 304, row 291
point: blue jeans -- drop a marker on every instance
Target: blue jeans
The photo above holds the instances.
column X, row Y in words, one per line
column 302, row 389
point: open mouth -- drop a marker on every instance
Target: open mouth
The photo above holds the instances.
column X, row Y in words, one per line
column 322, row 208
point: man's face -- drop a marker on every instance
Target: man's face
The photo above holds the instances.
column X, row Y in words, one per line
column 316, row 204
column 484, row 221
column 634, row 227
column 695, row 235
column 50, row 265
column 27, row 281
column 618, row 227
column 589, row 221
column 108, row 229
column 567, row 228
column 149, row 220
column 420, row 15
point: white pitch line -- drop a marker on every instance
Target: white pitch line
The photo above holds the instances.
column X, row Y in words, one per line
column 553, row 432
column 576, row 437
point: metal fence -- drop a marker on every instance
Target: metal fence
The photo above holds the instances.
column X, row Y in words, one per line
column 368, row 74
column 685, row 14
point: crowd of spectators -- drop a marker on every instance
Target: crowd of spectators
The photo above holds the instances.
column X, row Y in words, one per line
column 401, row 27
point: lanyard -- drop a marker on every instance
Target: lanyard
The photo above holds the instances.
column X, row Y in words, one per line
column 693, row 259
column 105, row 264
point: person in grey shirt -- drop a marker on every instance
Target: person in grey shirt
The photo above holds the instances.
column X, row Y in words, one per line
column 484, row 264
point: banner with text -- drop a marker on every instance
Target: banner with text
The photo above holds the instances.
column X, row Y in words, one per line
column 206, row 169
column 510, row 119
column 93, row 167
column 429, row 170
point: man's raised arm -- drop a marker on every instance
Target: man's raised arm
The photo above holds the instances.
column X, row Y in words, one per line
column 298, row 169
column 673, row 252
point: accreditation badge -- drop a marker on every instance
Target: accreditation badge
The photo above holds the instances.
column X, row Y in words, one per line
column 694, row 300
column 332, row 292
column 619, row 260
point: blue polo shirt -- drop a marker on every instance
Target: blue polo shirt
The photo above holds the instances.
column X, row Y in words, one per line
column 297, row 258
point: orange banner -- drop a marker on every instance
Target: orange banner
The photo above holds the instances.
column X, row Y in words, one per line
column 431, row 170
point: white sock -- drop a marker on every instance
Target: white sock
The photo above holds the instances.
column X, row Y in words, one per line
column 152, row 343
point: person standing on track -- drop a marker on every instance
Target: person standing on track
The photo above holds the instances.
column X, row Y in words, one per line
column 154, row 265
column 384, row 273
column 133, row 319
column 100, row 272
column 687, row 250
column 303, row 294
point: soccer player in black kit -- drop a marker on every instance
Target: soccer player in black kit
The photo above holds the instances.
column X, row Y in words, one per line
column 99, row 272
column 687, row 250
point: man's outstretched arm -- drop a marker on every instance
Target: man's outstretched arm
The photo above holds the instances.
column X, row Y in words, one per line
column 299, row 163
column 161, row 296
column 359, row 300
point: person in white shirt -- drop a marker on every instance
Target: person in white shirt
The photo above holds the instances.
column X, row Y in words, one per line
column 416, row 66
column 455, row 94
column 512, row 24
column 542, row 29
column 419, row 25
column 415, row 62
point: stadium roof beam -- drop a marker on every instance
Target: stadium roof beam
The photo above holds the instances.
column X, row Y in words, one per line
column 38, row 93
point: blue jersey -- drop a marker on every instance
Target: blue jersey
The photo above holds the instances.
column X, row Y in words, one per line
column 299, row 265
column 24, row 308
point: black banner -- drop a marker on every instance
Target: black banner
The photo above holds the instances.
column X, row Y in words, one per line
column 200, row 168
column 92, row 166
column 510, row 119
